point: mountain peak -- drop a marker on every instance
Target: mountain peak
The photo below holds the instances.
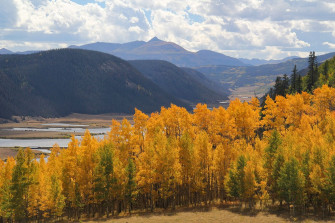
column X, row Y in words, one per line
column 5, row 51
column 154, row 39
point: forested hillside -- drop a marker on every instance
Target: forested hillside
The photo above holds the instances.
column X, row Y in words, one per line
column 60, row 82
column 314, row 76
column 284, row 153
column 260, row 78
column 178, row 82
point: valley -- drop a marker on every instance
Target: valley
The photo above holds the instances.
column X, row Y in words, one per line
column 42, row 133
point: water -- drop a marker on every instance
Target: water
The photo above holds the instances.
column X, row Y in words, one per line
column 64, row 124
column 70, row 129
column 35, row 143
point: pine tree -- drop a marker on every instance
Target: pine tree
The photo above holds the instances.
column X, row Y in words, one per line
column 240, row 174
column 291, row 183
column 293, row 80
column 269, row 159
column 277, row 166
column 21, row 180
column 104, row 179
column 299, row 84
column 312, row 72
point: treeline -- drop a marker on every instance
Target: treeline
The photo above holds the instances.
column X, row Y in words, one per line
column 315, row 77
column 285, row 153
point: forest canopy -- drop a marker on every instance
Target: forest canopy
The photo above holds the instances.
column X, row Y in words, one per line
column 284, row 152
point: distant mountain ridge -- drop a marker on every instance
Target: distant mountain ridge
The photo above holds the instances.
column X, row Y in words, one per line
column 262, row 77
column 257, row 62
column 5, row 51
column 157, row 49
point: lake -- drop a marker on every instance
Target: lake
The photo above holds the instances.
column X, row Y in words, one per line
column 35, row 143
column 61, row 127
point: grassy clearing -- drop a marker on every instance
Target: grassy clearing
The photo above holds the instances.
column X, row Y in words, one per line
column 6, row 152
column 215, row 214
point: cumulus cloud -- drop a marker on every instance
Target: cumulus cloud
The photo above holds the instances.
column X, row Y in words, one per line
column 330, row 45
column 241, row 28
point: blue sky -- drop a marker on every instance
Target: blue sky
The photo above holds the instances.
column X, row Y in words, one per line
column 267, row 29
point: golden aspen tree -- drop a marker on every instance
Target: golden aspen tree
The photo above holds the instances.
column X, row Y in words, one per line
column 69, row 159
column 318, row 189
column 115, row 133
column 154, row 125
column 324, row 100
column 270, row 113
column 202, row 117
column 296, row 108
column 6, row 210
column 140, row 129
column 176, row 121
column 222, row 128
column 187, row 160
column 146, row 176
column 167, row 167
column 125, row 150
column 204, row 162
column 85, row 168
column 39, row 198
column 246, row 119
column 249, row 184
column 220, row 167
column 54, row 170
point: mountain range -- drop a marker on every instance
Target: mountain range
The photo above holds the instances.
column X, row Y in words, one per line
column 65, row 81
column 157, row 49
column 223, row 74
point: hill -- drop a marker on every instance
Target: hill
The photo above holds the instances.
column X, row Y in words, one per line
column 60, row 82
column 157, row 49
column 177, row 81
column 257, row 62
column 258, row 78
column 5, row 51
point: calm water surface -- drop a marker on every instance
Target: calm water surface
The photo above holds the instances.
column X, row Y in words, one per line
column 61, row 127
column 35, row 143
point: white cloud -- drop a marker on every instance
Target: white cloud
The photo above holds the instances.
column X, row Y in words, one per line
column 330, row 45
column 264, row 27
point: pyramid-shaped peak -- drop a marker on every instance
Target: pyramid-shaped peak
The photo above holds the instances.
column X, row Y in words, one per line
column 154, row 39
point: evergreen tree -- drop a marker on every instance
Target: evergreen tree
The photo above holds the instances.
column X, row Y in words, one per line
column 281, row 86
column 299, row 84
column 236, row 178
column 326, row 69
column 270, row 156
column 104, row 179
column 232, row 184
column 278, row 88
column 294, row 78
column 312, row 72
column 291, row 183
column 277, row 166
column 21, row 180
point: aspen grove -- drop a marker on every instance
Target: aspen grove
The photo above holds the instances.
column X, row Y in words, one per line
column 281, row 154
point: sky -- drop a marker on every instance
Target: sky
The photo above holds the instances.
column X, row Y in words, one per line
column 265, row 29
